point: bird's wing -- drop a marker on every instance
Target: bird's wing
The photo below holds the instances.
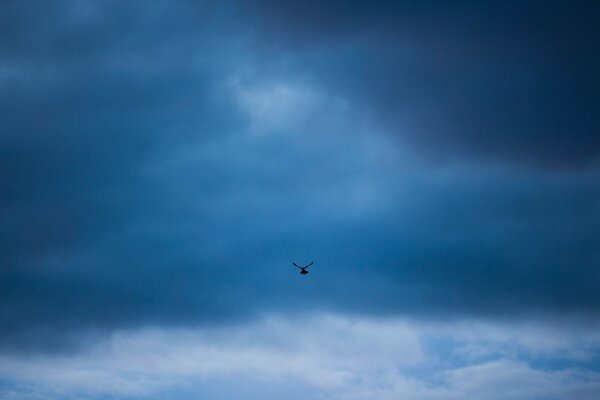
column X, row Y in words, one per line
column 310, row 264
column 296, row 265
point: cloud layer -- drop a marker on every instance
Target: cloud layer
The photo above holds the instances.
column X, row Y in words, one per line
column 323, row 357
column 513, row 81
column 163, row 165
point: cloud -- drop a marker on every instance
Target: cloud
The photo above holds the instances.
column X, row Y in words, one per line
column 164, row 165
column 510, row 82
column 325, row 356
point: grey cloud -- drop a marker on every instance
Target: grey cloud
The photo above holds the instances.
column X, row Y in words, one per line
column 165, row 165
column 512, row 81
column 324, row 356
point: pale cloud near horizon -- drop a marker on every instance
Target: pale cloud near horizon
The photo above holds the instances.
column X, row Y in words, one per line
column 326, row 356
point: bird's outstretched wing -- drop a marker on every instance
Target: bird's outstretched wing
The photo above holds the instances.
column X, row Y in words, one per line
column 311, row 263
column 296, row 265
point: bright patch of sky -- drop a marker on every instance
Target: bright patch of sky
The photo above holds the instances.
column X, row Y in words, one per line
column 326, row 356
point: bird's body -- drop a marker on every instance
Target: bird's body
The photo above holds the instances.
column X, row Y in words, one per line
column 303, row 270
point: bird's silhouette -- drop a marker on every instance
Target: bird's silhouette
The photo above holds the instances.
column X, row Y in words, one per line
column 303, row 270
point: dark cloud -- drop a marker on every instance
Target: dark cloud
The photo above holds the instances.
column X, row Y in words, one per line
column 512, row 81
column 165, row 164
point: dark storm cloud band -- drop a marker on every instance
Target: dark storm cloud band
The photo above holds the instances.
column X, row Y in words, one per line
column 160, row 167
column 512, row 81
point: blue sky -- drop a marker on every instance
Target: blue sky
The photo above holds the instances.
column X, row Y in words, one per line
column 162, row 165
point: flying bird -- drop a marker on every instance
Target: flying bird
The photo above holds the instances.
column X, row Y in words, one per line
column 303, row 269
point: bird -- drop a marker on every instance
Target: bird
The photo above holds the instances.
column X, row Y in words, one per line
column 303, row 269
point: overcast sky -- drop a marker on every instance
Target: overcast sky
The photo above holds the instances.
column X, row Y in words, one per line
column 163, row 163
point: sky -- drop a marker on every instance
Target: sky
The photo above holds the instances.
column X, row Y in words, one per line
column 163, row 163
